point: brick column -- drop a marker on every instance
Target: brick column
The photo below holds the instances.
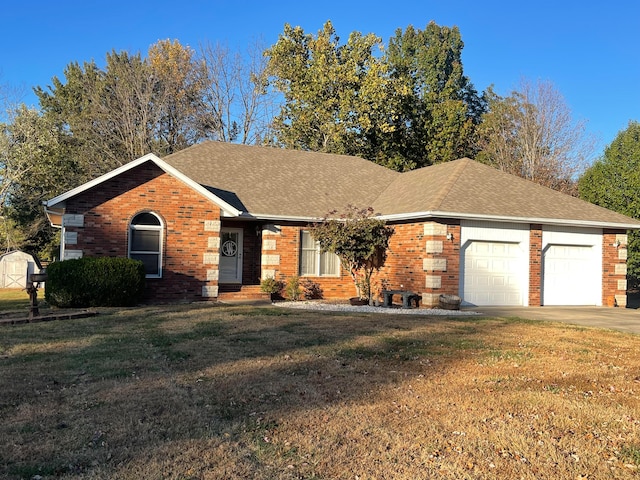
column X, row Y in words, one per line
column 441, row 262
column 211, row 258
column 270, row 258
column 614, row 268
column 535, row 265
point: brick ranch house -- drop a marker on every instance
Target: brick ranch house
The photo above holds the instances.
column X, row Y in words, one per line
column 217, row 218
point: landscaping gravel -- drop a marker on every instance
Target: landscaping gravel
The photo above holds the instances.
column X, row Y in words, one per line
column 343, row 307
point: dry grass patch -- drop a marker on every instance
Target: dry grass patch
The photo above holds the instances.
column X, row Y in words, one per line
column 205, row 392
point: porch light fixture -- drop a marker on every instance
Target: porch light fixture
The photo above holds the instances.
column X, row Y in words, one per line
column 450, row 236
column 616, row 244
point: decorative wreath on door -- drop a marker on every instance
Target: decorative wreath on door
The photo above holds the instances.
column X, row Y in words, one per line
column 229, row 248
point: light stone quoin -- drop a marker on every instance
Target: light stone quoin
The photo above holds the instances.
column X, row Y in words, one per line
column 212, row 225
column 434, row 264
column 213, row 274
column 270, row 259
column 211, row 259
column 433, row 281
column 213, row 242
column 268, row 273
column 269, row 244
column 70, row 238
column 435, row 229
column 210, row 291
column 434, row 246
column 71, row 220
column 430, row 299
column 621, row 300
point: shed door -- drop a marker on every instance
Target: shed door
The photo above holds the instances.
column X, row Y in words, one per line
column 15, row 273
column 570, row 276
column 492, row 273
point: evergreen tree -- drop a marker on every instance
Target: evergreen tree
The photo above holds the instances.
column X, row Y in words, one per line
column 614, row 182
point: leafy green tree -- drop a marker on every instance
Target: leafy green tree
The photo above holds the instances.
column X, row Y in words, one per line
column 531, row 133
column 359, row 240
column 405, row 109
column 33, row 167
column 614, row 182
column 68, row 106
column 329, row 89
column 438, row 107
column 134, row 106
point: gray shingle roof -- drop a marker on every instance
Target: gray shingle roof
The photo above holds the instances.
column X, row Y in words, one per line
column 264, row 181
column 289, row 183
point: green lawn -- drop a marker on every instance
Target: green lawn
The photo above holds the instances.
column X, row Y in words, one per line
column 13, row 299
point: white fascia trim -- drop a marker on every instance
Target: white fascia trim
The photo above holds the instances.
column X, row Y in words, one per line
column 499, row 218
column 282, row 218
column 228, row 210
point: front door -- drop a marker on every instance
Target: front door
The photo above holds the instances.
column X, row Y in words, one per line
column 231, row 255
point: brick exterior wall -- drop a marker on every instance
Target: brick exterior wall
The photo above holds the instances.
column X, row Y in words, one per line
column 535, row 265
column 423, row 257
column 281, row 260
column 614, row 267
column 410, row 246
column 191, row 223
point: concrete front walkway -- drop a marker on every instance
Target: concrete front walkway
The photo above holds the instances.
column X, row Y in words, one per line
column 622, row 319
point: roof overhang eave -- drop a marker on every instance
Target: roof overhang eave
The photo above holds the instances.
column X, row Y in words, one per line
column 279, row 218
column 54, row 215
column 510, row 219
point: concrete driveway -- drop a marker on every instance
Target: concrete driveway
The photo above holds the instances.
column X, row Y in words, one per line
column 622, row 319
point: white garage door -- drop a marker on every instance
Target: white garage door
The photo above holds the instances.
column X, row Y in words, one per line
column 569, row 276
column 492, row 273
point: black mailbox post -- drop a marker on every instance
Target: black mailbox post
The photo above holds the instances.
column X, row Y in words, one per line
column 32, row 289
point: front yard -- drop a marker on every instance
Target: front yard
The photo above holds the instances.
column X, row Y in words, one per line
column 212, row 392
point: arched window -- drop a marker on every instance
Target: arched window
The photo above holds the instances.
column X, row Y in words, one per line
column 145, row 242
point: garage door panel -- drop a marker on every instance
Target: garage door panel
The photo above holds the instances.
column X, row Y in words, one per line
column 492, row 273
column 570, row 274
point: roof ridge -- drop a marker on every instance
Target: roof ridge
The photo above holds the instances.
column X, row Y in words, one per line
column 451, row 181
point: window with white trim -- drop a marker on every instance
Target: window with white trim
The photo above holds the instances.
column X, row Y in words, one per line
column 145, row 242
column 313, row 262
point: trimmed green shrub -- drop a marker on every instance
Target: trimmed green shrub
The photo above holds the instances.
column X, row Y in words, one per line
column 293, row 290
column 95, row 282
column 271, row 285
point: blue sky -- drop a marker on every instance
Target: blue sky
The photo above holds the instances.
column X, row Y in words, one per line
column 590, row 50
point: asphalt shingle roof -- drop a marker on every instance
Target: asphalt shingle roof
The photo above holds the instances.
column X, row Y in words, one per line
column 291, row 183
column 273, row 181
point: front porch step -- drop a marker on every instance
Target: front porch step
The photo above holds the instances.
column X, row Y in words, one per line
column 242, row 293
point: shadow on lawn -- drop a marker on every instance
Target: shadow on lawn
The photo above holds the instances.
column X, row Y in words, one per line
column 147, row 377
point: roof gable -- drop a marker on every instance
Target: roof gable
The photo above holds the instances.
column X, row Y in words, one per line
column 57, row 202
